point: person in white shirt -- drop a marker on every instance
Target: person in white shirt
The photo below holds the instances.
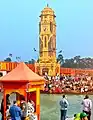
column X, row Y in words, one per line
column 87, row 106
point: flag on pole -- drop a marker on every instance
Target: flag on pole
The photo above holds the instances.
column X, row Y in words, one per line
column 18, row 58
column 60, row 51
column 34, row 49
column 10, row 55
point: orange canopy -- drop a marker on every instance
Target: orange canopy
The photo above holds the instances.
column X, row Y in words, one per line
column 21, row 74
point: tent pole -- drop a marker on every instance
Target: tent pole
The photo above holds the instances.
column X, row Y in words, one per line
column 25, row 95
column 38, row 103
column 4, row 104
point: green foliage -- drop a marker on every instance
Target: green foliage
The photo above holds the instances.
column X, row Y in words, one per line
column 32, row 61
column 26, row 62
column 60, row 59
column 8, row 59
column 38, row 60
column 75, row 62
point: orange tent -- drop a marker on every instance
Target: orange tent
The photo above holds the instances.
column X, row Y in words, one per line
column 22, row 80
column 21, row 73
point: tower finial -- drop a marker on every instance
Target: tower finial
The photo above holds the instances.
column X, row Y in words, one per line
column 47, row 5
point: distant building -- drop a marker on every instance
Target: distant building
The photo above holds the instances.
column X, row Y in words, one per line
column 47, row 44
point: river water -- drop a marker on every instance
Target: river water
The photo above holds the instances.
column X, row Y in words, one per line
column 50, row 109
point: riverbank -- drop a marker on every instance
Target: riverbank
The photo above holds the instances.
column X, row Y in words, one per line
column 69, row 93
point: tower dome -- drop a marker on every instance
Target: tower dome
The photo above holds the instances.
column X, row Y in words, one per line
column 47, row 11
column 47, row 43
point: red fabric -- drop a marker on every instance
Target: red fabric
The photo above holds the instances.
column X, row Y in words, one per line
column 60, row 90
column 56, row 90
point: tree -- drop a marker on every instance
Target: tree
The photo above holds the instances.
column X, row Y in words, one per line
column 38, row 60
column 8, row 59
column 32, row 61
column 26, row 62
column 68, row 63
column 77, row 58
column 60, row 59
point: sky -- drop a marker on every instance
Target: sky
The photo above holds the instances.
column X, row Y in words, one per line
column 19, row 27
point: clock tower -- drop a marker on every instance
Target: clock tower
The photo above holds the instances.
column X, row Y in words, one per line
column 47, row 43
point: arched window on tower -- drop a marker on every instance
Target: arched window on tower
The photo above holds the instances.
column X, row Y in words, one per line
column 45, row 42
column 51, row 26
column 50, row 47
column 45, row 16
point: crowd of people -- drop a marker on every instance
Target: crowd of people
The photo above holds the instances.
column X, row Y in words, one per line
column 68, row 84
column 86, row 109
column 23, row 111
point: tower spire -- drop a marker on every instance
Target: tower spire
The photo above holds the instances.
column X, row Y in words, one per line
column 47, row 5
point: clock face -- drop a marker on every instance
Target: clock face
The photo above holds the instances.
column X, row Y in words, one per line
column 44, row 28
